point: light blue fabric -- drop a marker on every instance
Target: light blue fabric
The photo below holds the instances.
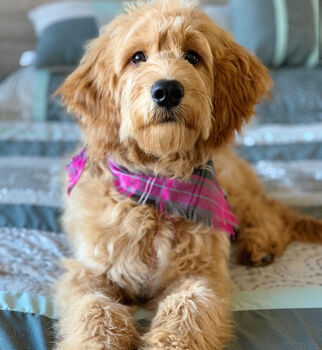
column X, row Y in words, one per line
column 278, row 298
column 36, row 148
column 30, row 303
column 254, row 27
column 30, row 216
column 281, row 25
column 284, row 152
column 111, row 8
column 40, row 88
column 313, row 58
column 279, row 32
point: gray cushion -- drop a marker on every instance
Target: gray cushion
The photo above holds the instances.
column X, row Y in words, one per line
column 279, row 32
column 296, row 97
column 63, row 43
column 64, row 28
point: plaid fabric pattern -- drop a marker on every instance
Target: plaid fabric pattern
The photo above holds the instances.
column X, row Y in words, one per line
column 75, row 168
column 199, row 199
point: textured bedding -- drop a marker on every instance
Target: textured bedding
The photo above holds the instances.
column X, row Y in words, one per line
column 276, row 307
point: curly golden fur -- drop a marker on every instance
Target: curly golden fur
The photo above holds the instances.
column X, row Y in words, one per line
column 114, row 238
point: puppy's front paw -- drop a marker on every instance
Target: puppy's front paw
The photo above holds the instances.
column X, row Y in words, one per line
column 97, row 323
column 163, row 340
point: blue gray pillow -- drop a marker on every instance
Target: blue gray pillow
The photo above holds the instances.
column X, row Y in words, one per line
column 62, row 43
column 279, row 32
column 64, row 28
column 296, row 97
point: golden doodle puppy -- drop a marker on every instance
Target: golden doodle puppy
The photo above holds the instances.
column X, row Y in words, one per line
column 161, row 92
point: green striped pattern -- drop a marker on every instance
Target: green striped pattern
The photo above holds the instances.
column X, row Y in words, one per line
column 279, row 32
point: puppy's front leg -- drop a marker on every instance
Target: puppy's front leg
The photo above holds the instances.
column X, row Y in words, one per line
column 193, row 316
column 90, row 315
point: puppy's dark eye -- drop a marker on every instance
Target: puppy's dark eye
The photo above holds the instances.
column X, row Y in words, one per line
column 138, row 57
column 192, row 57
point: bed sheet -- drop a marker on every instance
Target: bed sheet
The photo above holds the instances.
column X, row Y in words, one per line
column 278, row 306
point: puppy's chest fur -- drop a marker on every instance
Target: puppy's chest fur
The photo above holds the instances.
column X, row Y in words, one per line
column 139, row 257
column 138, row 249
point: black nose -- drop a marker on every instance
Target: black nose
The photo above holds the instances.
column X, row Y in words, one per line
column 167, row 93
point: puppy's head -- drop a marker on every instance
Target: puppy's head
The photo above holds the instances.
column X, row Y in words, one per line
column 163, row 77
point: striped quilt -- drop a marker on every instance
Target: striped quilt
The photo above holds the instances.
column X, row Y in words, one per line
column 276, row 307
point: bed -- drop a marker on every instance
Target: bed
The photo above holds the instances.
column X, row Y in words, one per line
column 275, row 307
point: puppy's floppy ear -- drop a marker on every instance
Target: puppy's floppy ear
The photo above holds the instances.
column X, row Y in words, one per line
column 88, row 93
column 240, row 80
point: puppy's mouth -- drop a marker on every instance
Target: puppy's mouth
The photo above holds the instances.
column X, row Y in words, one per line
column 167, row 116
column 170, row 119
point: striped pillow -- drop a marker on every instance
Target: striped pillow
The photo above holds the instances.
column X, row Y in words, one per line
column 279, row 32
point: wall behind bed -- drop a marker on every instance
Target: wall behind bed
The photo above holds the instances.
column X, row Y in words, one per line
column 16, row 32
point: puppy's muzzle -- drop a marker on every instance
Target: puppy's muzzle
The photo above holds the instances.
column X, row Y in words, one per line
column 167, row 93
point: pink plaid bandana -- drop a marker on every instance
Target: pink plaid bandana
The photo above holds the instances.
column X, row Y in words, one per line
column 199, row 199
column 75, row 168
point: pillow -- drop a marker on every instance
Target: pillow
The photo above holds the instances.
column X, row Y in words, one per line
column 64, row 28
column 279, row 32
column 220, row 14
column 296, row 97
